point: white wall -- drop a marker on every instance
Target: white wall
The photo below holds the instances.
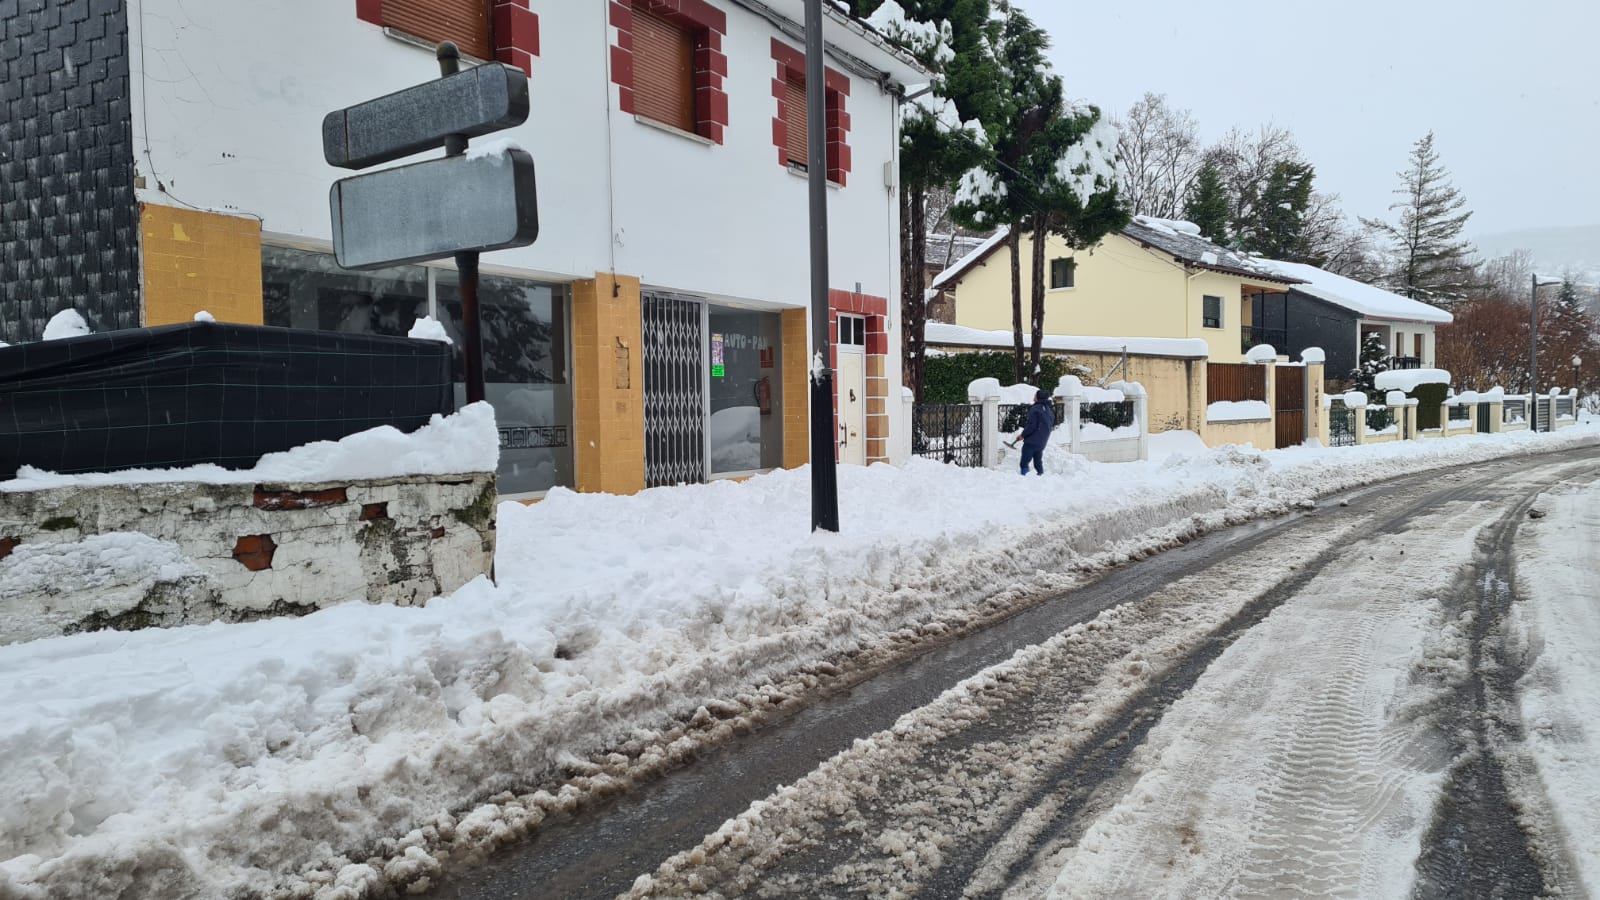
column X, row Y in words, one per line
column 229, row 99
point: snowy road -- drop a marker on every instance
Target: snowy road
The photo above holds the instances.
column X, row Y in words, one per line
column 1331, row 704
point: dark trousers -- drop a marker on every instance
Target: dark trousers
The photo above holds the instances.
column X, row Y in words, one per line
column 1035, row 455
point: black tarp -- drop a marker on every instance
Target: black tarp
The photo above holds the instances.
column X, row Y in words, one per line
column 206, row 392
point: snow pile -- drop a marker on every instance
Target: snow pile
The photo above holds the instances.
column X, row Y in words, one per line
column 1354, row 399
column 1262, row 353
column 1313, row 356
column 924, row 40
column 428, row 328
column 1238, row 411
column 318, row 751
column 465, row 442
column 203, row 316
column 1409, row 379
column 67, row 323
column 496, row 150
column 1170, row 226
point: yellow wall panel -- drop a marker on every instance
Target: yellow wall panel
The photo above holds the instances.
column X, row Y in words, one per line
column 197, row 261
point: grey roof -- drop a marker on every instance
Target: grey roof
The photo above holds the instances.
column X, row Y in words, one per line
column 1197, row 251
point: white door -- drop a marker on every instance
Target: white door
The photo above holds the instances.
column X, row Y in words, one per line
column 852, row 388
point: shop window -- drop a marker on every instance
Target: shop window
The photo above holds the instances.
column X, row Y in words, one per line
column 1211, row 312
column 304, row 289
column 466, row 22
column 745, row 428
column 1063, row 273
column 525, row 341
column 524, row 374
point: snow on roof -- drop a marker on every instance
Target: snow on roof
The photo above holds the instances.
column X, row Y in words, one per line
column 1182, row 240
column 973, row 257
column 960, row 335
column 1356, row 296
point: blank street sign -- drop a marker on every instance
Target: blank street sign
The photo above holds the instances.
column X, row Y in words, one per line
column 485, row 200
column 481, row 100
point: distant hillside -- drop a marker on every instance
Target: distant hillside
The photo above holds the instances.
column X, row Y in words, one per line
column 1556, row 251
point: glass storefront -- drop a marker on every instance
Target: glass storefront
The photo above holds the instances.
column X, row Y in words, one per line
column 745, row 424
column 524, row 343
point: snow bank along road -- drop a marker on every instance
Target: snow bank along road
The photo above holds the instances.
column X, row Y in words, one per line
column 361, row 750
column 1363, row 700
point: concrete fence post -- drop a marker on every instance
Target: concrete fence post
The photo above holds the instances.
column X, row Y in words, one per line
column 1361, row 425
column 1070, row 409
column 904, row 442
column 1497, row 416
column 991, row 432
column 1141, row 418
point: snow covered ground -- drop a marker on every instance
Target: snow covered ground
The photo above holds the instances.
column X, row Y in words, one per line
column 1559, row 625
column 320, row 756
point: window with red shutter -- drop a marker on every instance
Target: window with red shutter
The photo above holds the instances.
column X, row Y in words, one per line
column 663, row 71
column 466, row 22
column 794, row 98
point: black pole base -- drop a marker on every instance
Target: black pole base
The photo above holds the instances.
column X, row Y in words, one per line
column 824, row 463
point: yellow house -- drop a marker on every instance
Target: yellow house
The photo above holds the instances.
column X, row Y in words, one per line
column 1157, row 278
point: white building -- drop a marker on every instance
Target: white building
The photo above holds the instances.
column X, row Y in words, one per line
column 656, row 331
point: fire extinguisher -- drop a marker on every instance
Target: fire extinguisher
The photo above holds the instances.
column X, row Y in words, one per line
column 764, row 395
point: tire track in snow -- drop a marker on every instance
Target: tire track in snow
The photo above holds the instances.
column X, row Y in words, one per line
column 880, row 831
column 1494, row 833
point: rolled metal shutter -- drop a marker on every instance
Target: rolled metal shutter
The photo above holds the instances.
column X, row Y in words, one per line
column 464, row 21
column 794, row 120
column 663, row 70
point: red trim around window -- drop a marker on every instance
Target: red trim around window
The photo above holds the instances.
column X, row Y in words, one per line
column 708, row 24
column 792, row 67
column 515, row 30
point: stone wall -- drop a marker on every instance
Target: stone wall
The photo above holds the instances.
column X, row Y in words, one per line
column 134, row 556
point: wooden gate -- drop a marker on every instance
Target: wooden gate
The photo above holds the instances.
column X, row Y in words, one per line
column 1290, row 415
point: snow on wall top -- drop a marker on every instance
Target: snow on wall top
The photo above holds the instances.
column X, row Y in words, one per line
column 1408, row 379
column 1356, row 296
column 1262, row 353
column 463, row 443
column 1188, row 348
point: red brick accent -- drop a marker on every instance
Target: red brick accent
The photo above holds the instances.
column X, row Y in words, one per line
column 792, row 67
column 516, row 34
column 436, row 533
column 274, row 501
column 708, row 24
column 255, row 551
column 371, row 511
column 8, row 544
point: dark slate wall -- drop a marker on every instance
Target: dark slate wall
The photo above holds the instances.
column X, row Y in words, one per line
column 1315, row 323
column 69, row 223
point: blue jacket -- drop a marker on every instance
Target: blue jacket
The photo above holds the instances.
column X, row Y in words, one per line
column 1041, row 418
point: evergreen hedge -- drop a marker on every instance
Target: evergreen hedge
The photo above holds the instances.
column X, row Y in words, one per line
column 945, row 378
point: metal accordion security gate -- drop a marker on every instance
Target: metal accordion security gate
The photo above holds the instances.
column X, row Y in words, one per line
column 674, row 361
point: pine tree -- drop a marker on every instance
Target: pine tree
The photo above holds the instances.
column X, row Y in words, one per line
column 1374, row 359
column 1207, row 205
column 1432, row 257
column 1275, row 225
column 939, row 136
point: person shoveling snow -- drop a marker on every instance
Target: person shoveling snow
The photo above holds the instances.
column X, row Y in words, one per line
column 1035, row 433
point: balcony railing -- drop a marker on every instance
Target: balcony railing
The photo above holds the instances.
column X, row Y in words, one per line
column 1405, row 362
column 1251, row 336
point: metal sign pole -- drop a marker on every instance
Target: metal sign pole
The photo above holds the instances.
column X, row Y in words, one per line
column 466, row 262
column 1533, row 352
column 824, row 445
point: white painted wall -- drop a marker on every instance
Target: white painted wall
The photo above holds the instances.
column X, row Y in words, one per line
column 229, row 99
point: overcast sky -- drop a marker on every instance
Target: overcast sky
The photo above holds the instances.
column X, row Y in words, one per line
column 1510, row 88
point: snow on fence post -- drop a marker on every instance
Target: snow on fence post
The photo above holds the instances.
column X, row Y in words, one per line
column 986, row 392
column 1356, row 401
column 1070, row 390
column 1141, row 418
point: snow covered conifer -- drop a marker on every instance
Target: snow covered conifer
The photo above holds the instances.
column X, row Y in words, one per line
column 1207, row 205
column 1431, row 256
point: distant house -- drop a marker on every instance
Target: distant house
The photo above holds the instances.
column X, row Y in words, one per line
column 1156, row 278
column 1337, row 313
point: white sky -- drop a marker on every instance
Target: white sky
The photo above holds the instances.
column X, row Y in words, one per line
column 1511, row 88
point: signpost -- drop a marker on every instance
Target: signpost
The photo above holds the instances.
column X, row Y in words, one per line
column 461, row 205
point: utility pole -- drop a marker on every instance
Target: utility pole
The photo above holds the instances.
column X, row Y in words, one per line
column 824, row 445
column 1533, row 352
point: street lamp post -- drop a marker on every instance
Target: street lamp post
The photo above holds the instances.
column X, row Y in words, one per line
column 1533, row 346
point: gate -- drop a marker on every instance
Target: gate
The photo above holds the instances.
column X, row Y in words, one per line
column 1483, row 418
column 948, row 432
column 674, row 362
column 1290, row 415
column 1341, row 425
